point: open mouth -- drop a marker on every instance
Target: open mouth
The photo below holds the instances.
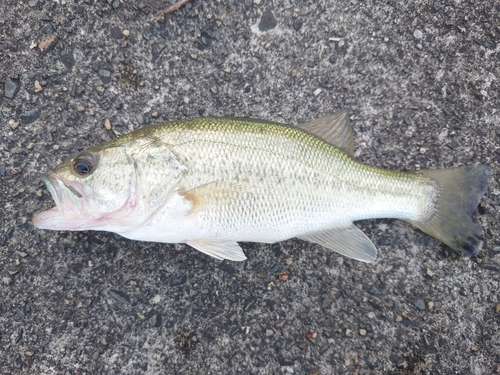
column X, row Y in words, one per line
column 69, row 205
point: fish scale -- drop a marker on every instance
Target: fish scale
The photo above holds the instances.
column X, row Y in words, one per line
column 291, row 176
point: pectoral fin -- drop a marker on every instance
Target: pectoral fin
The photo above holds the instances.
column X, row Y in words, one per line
column 219, row 249
column 347, row 240
column 214, row 194
column 335, row 129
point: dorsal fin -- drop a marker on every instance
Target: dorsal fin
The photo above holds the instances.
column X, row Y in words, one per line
column 335, row 129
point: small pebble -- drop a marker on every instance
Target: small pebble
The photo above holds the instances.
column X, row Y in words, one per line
column 20, row 313
column 46, row 44
column 311, row 335
column 348, row 332
column 56, row 147
column 294, row 72
column 11, row 88
column 267, row 21
column 154, row 114
column 420, row 304
column 12, row 270
column 120, row 296
column 80, row 108
column 107, row 124
column 39, row 193
column 178, row 281
column 126, row 33
column 430, row 305
column 269, row 332
column 38, row 87
column 30, row 116
column 418, row 34
column 419, row 46
column 317, row 92
column 430, row 272
column 362, row 332
column 92, row 112
column 497, row 308
column 14, row 124
column 105, row 75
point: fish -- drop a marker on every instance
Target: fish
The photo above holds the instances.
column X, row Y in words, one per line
column 214, row 182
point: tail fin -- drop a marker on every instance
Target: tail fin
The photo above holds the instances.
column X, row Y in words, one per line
column 453, row 221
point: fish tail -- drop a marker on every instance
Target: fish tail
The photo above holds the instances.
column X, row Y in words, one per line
column 452, row 207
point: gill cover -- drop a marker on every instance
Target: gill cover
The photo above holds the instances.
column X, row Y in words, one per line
column 157, row 170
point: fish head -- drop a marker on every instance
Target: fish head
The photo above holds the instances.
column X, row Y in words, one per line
column 94, row 189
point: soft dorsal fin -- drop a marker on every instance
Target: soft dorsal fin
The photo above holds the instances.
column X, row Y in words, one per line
column 335, row 129
column 347, row 240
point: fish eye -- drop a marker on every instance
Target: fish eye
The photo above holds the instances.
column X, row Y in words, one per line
column 84, row 164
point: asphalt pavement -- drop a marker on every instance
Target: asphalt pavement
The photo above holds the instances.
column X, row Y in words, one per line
column 420, row 80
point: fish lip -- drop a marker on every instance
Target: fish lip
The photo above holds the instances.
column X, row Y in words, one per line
column 50, row 181
column 69, row 200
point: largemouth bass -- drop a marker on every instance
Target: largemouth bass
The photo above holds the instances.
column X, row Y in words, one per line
column 214, row 182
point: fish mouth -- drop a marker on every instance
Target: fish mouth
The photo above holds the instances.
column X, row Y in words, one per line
column 69, row 199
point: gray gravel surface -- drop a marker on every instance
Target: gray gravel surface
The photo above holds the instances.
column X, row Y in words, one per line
column 421, row 81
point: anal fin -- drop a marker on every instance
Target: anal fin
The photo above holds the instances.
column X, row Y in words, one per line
column 347, row 240
column 219, row 248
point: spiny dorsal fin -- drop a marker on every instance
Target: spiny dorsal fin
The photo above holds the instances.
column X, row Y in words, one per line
column 335, row 129
column 347, row 240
